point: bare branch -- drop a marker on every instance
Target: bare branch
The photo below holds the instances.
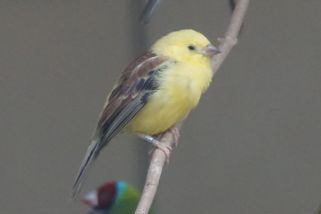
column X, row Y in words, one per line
column 230, row 38
column 149, row 10
column 170, row 138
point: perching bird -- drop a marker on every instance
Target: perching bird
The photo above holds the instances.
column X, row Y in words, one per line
column 156, row 91
column 114, row 197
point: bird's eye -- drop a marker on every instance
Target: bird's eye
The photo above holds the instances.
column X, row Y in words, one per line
column 191, row 47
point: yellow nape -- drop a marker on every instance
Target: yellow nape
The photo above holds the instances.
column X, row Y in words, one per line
column 180, row 85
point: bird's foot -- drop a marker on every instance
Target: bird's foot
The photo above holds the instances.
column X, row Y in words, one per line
column 164, row 148
column 158, row 145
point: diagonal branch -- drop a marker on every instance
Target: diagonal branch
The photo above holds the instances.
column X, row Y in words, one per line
column 170, row 138
column 230, row 38
column 149, row 10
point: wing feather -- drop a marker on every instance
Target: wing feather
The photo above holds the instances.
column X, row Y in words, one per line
column 129, row 96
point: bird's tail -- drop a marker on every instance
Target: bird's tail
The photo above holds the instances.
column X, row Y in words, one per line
column 86, row 164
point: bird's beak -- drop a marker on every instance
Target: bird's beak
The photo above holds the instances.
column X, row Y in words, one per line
column 91, row 199
column 210, row 50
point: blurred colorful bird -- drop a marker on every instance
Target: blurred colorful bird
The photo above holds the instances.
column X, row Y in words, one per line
column 155, row 91
column 114, row 197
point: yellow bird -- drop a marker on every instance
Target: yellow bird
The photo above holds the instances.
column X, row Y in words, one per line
column 155, row 91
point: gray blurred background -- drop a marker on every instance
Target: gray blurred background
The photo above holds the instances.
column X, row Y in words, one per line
column 251, row 147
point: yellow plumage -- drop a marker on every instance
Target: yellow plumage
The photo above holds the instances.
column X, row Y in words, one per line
column 155, row 91
column 181, row 84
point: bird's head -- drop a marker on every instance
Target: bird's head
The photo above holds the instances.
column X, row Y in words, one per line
column 186, row 46
column 103, row 197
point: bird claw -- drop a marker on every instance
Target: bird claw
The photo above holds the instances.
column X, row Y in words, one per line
column 164, row 148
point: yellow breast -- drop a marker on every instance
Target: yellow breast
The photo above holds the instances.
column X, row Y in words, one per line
column 180, row 89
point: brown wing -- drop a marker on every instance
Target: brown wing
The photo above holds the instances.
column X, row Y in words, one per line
column 137, row 81
column 136, row 84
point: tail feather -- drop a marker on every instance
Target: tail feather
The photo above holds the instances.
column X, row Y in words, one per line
column 86, row 164
column 104, row 133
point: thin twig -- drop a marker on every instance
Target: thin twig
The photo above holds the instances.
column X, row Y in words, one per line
column 230, row 38
column 148, row 11
column 155, row 170
column 158, row 159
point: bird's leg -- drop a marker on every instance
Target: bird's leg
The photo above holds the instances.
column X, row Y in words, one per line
column 164, row 148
